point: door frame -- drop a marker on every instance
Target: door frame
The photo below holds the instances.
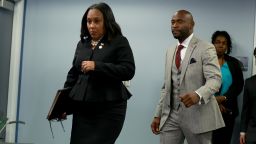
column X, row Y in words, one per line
column 15, row 71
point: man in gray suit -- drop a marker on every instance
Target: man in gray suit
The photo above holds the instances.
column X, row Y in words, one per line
column 187, row 107
column 248, row 115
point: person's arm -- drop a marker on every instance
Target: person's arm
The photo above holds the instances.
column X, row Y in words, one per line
column 211, row 71
column 242, row 138
column 123, row 68
column 237, row 79
column 236, row 87
column 245, row 109
column 155, row 125
column 157, row 116
column 73, row 73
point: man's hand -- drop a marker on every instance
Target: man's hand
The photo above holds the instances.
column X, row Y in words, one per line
column 242, row 139
column 155, row 125
column 190, row 99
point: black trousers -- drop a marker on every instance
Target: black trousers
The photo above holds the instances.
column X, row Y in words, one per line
column 97, row 122
column 224, row 135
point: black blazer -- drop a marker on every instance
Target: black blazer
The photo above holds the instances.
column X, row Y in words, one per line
column 236, row 86
column 248, row 115
column 114, row 63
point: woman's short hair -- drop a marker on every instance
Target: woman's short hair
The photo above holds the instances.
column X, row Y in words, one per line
column 111, row 26
column 226, row 35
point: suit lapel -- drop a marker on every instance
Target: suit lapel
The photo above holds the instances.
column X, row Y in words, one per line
column 185, row 62
column 169, row 62
column 170, row 57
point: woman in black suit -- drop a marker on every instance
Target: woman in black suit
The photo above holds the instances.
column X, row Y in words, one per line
column 232, row 85
column 103, row 59
column 248, row 115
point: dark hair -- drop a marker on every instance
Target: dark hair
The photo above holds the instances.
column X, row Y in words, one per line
column 111, row 26
column 224, row 34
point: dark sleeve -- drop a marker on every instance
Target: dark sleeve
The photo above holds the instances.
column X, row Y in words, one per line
column 123, row 68
column 245, row 109
column 73, row 73
column 237, row 79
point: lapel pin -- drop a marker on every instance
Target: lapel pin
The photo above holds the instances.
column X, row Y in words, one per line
column 101, row 45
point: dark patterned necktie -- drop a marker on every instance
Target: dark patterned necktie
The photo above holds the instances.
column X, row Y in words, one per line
column 178, row 58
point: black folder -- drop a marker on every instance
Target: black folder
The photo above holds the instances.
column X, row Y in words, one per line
column 61, row 104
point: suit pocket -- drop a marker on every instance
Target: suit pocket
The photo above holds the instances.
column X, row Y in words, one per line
column 192, row 60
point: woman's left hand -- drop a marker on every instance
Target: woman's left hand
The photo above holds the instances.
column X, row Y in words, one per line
column 87, row 66
column 222, row 108
column 220, row 99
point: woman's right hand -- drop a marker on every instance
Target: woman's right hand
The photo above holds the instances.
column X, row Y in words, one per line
column 87, row 66
column 155, row 125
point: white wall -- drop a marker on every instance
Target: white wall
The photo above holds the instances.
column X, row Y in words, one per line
column 52, row 31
